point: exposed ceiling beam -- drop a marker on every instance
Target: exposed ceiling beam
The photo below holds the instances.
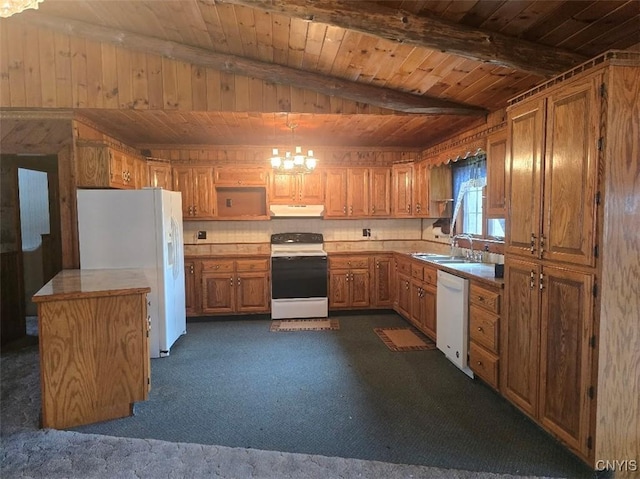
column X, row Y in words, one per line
column 402, row 26
column 368, row 94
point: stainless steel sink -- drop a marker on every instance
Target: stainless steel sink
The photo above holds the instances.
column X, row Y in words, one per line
column 440, row 258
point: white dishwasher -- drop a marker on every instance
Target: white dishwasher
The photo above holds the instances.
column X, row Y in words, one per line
column 453, row 319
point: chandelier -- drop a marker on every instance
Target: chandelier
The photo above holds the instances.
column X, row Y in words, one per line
column 295, row 162
column 11, row 7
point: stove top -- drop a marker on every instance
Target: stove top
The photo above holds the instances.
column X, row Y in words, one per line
column 297, row 244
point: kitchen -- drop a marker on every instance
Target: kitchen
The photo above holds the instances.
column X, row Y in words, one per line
column 159, row 150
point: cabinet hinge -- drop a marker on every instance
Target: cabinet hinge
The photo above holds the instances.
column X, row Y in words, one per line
column 596, row 251
column 592, row 341
column 600, row 143
column 591, row 392
column 148, row 380
column 598, row 198
column 595, row 290
column 589, row 442
column 603, row 89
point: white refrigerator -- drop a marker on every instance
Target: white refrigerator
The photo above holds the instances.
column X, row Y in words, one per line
column 139, row 229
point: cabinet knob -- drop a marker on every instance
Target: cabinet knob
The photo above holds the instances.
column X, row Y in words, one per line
column 231, row 281
column 191, row 269
column 238, row 281
column 480, row 329
column 344, row 209
column 479, row 363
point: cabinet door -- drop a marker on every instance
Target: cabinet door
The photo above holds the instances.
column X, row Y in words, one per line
column 570, row 173
column 203, row 192
column 335, row 205
column 191, row 275
column 421, row 190
column 311, row 188
column 283, row 188
column 231, row 176
column 129, row 172
column 159, row 176
column 402, row 176
column 496, row 154
column 218, row 293
column 525, row 130
column 566, row 356
column 117, row 166
column 382, row 287
column 417, row 304
column 404, row 296
column 253, row 292
column 182, row 182
column 521, row 335
column 360, row 287
column 429, row 300
column 380, row 196
column 339, row 288
column 358, row 192
column 441, row 192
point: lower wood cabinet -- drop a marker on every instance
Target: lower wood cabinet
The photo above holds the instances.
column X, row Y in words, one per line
column 484, row 327
column 227, row 286
column 547, row 348
column 349, row 282
column 382, row 291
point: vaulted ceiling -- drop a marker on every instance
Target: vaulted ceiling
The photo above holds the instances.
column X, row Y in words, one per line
column 416, row 71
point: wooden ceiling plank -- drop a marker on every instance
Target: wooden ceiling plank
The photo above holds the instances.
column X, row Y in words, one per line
column 264, row 36
column 502, row 16
column 5, row 86
column 480, row 12
column 457, row 10
column 330, row 47
column 280, row 27
column 367, row 94
column 455, row 39
column 246, row 24
column 15, row 55
column 214, row 27
column 79, row 71
column 531, row 15
column 34, row 86
column 229, row 23
column 196, row 23
column 297, row 42
column 555, row 19
column 313, row 49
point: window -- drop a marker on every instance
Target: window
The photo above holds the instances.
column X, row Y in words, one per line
column 469, row 183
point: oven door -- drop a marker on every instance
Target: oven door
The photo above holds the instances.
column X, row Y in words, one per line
column 294, row 277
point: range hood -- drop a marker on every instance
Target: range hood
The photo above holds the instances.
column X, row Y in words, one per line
column 297, row 211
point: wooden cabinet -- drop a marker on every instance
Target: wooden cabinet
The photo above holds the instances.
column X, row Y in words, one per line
column 423, row 298
column 349, row 283
column 198, row 194
column 441, row 192
column 402, row 190
column 93, row 331
column 546, row 348
column 552, row 174
column 484, row 327
column 421, row 181
column 235, row 286
column 496, row 196
column 101, row 166
column 232, row 176
column 291, row 189
column 382, row 292
column 380, row 195
column 191, row 275
column 159, row 174
column 402, row 280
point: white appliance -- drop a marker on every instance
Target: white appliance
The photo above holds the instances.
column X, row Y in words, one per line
column 452, row 317
column 139, row 229
column 299, row 280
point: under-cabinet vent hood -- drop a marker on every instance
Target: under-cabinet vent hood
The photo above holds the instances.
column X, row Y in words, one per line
column 297, row 211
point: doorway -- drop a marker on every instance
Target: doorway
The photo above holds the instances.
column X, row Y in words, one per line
column 30, row 240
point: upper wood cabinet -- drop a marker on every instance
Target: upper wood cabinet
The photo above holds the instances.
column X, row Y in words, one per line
column 100, row 166
column 496, row 154
column 232, row 176
column 402, row 190
column 421, row 181
column 441, row 192
column 301, row 189
column 159, row 175
column 552, row 184
column 198, row 194
column 380, row 195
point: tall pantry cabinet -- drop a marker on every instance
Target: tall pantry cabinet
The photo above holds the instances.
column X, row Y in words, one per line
column 568, row 149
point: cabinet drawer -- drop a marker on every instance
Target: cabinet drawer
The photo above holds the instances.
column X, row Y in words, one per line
column 213, row 265
column 240, row 176
column 430, row 275
column 483, row 328
column 417, row 271
column 484, row 364
column 404, row 267
column 348, row 262
column 243, row 265
column 487, row 299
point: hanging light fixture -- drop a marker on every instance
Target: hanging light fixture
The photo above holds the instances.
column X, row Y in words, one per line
column 11, row 7
column 296, row 162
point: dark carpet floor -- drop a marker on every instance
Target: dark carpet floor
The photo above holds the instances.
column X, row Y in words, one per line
column 335, row 393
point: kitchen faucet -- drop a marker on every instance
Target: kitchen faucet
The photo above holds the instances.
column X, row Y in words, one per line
column 463, row 236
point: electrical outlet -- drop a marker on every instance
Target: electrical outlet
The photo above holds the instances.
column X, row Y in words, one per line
column 202, row 235
column 366, row 232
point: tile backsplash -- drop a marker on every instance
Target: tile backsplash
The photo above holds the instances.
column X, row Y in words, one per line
column 333, row 230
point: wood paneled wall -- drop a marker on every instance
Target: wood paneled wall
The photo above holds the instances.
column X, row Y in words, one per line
column 43, row 69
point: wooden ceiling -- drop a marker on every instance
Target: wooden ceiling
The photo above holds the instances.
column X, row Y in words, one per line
column 418, row 71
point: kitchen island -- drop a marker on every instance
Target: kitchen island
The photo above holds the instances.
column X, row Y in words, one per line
column 93, row 339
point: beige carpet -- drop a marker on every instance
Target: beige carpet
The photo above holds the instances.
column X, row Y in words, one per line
column 404, row 339
column 320, row 324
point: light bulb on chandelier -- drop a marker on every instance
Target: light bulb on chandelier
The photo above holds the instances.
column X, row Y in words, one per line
column 11, row 7
column 296, row 162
